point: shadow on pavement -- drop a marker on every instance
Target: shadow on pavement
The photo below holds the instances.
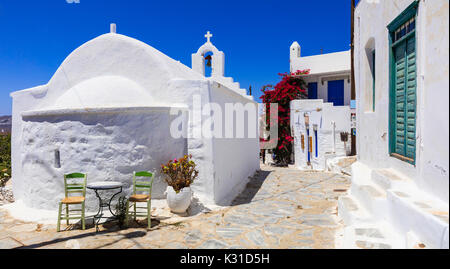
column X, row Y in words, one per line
column 251, row 189
column 110, row 228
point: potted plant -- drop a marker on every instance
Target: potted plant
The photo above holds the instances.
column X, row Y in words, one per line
column 180, row 174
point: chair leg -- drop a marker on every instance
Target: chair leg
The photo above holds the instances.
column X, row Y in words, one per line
column 127, row 212
column 59, row 217
column 67, row 214
column 149, row 216
column 134, row 211
column 83, row 220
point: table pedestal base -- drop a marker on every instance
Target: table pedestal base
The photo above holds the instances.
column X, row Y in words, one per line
column 103, row 204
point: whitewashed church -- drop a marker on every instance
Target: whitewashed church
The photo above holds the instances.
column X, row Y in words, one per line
column 107, row 112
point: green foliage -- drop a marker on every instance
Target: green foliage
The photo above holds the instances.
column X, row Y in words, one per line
column 121, row 210
column 5, row 158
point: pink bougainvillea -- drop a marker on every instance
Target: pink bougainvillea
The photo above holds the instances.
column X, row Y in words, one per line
column 291, row 87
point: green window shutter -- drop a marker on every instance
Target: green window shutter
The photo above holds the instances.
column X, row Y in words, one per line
column 410, row 98
column 403, row 110
column 400, row 69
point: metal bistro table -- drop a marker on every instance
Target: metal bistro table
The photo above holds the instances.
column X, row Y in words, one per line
column 103, row 186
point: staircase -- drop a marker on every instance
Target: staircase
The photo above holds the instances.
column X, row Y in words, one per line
column 385, row 209
column 231, row 84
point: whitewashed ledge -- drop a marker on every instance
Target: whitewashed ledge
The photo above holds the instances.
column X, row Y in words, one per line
column 102, row 110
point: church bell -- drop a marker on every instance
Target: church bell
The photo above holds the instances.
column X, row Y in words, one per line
column 208, row 60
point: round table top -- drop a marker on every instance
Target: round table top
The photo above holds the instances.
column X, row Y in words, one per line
column 104, row 185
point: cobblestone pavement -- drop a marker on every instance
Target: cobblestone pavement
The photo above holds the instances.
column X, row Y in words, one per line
column 280, row 208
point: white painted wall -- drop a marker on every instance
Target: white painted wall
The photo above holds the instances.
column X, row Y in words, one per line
column 234, row 159
column 321, row 64
column 105, row 145
column 321, row 114
column 431, row 172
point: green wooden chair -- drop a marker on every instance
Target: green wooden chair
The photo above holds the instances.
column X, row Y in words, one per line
column 71, row 187
column 142, row 192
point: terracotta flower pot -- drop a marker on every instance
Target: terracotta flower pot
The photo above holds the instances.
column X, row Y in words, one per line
column 178, row 202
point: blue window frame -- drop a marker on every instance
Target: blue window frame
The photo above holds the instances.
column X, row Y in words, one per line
column 336, row 92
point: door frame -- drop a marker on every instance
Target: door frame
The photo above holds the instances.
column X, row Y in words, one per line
column 407, row 14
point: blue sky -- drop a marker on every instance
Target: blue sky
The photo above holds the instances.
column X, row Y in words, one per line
column 37, row 35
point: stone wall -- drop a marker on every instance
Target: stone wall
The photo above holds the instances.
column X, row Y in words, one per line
column 106, row 146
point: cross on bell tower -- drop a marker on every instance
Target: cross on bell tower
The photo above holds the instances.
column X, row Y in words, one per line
column 208, row 36
column 214, row 58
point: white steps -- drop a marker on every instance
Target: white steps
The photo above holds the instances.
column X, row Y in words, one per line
column 386, row 200
column 426, row 218
column 371, row 196
column 351, row 212
column 390, row 179
column 370, row 236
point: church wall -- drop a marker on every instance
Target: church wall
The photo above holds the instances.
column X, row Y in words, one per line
column 22, row 100
column 235, row 159
column 195, row 94
column 431, row 170
column 224, row 164
column 106, row 146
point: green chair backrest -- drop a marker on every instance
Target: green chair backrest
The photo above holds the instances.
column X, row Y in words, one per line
column 144, row 183
column 72, row 186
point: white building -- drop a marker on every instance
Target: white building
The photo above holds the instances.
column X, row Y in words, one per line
column 107, row 112
column 400, row 183
column 328, row 109
column 329, row 77
column 316, row 127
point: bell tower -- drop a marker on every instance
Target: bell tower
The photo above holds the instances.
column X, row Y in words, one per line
column 217, row 59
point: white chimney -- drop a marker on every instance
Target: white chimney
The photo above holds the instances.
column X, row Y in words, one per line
column 112, row 27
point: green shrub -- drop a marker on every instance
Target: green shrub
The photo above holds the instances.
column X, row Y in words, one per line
column 5, row 158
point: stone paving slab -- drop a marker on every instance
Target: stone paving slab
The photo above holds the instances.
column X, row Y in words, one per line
column 280, row 208
column 9, row 242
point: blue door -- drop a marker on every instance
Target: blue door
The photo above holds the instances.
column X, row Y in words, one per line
column 336, row 92
column 312, row 90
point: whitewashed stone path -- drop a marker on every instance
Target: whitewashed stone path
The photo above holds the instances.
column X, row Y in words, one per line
column 280, row 208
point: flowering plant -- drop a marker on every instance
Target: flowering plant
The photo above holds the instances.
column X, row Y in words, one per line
column 292, row 86
column 180, row 173
column 5, row 159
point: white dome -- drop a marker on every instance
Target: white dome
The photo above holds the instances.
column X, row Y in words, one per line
column 114, row 70
column 104, row 91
